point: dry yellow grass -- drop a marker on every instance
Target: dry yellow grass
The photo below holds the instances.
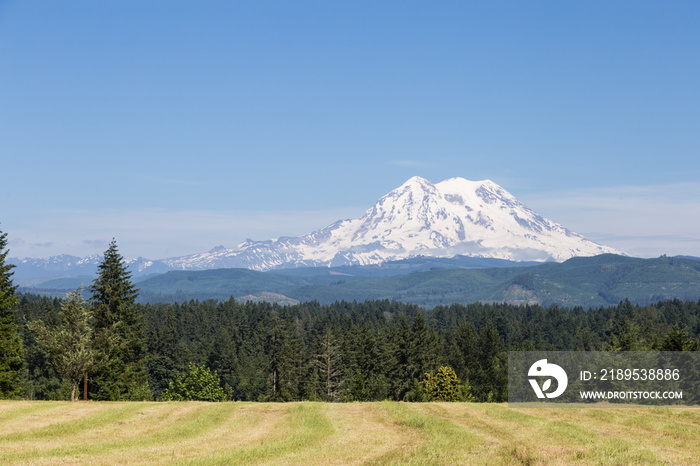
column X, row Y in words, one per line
column 353, row 433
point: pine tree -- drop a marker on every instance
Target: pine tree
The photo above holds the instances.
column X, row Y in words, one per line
column 119, row 333
column 677, row 339
column 11, row 350
column 327, row 362
column 464, row 351
column 368, row 359
column 490, row 383
column 274, row 342
column 416, row 350
column 223, row 357
column 292, row 363
column 163, row 349
column 398, row 366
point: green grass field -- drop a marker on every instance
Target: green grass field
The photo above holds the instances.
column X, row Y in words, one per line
column 352, row 433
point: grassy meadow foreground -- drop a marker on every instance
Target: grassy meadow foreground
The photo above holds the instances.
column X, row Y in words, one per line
column 342, row 433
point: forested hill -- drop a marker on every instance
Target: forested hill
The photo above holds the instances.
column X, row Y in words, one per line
column 372, row 350
column 584, row 281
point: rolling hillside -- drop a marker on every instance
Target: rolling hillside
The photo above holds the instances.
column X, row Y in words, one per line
column 583, row 281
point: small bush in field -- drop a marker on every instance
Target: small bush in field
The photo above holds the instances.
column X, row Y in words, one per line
column 197, row 384
column 443, row 385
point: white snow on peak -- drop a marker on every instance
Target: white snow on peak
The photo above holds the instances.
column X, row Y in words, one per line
column 455, row 216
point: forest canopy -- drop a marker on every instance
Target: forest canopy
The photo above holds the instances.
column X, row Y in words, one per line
column 361, row 351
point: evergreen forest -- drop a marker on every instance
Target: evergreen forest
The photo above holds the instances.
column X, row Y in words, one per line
column 373, row 350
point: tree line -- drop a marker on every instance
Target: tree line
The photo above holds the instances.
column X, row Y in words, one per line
column 345, row 351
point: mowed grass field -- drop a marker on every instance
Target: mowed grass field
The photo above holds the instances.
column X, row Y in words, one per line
column 34, row 432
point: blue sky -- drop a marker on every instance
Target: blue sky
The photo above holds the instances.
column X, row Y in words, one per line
column 178, row 126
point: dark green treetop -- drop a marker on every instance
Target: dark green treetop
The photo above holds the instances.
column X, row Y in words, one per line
column 113, row 294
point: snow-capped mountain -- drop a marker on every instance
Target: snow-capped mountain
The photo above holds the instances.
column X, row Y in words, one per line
column 66, row 265
column 53, row 266
column 456, row 216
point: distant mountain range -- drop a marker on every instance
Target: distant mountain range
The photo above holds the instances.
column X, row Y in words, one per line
column 582, row 281
column 33, row 271
column 456, row 217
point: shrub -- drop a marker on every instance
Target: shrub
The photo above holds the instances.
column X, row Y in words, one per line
column 197, row 384
column 443, row 385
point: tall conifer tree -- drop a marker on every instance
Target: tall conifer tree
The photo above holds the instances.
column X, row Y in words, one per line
column 492, row 373
column 118, row 332
column 328, row 363
column 11, row 350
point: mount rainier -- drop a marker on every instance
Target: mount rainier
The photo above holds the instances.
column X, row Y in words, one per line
column 454, row 217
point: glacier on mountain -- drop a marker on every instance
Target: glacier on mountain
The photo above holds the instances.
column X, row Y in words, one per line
column 419, row 218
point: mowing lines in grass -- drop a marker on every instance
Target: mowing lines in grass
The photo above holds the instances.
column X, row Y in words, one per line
column 597, row 441
column 303, row 426
column 342, row 433
column 444, row 441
